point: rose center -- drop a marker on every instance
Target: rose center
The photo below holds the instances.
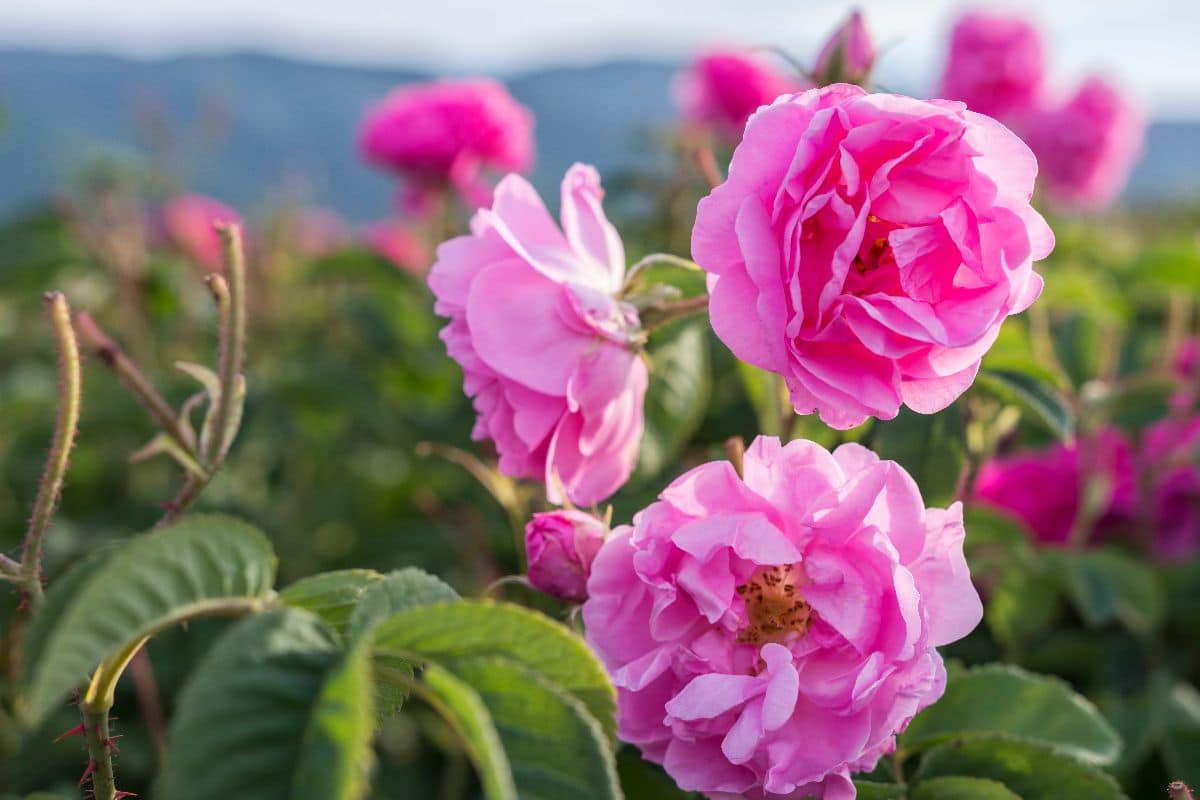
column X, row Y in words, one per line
column 775, row 609
column 874, row 267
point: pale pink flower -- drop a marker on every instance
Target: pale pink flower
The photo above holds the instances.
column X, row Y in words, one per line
column 722, row 88
column 188, row 221
column 849, row 54
column 550, row 355
column 770, row 635
column 446, row 133
column 867, row 247
column 399, row 244
column 560, row 546
column 1087, row 146
column 995, row 65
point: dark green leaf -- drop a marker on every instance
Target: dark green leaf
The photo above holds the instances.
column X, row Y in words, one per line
column 643, row 780
column 677, row 397
column 1032, row 392
column 404, row 588
column 332, row 596
column 874, row 790
column 462, row 707
column 1106, row 585
column 960, row 788
column 1181, row 743
column 930, row 446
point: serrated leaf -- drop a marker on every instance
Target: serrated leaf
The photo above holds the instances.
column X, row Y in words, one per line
column 1031, row 770
column 874, row 790
column 332, row 596
column 446, row 632
column 462, row 707
column 677, row 396
column 960, row 788
column 931, row 447
column 404, row 588
column 1033, row 393
column 555, row 747
column 1105, row 585
column 200, row 565
column 1004, row 699
column 275, row 711
column 1181, row 743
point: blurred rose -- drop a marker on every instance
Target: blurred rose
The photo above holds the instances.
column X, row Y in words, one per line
column 867, row 247
column 187, row 222
column 723, row 88
column 995, row 65
column 550, row 354
column 1169, row 456
column 1042, row 488
column 848, row 55
column 317, row 231
column 560, row 546
column 447, row 132
column 1087, row 146
column 399, row 244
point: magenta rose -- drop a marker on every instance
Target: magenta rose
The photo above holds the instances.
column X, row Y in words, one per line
column 849, row 54
column 770, row 635
column 447, row 132
column 867, row 248
column 1087, row 146
column 723, row 88
column 188, row 221
column 995, row 65
column 1169, row 457
column 1043, row 488
column 560, row 547
column 550, row 354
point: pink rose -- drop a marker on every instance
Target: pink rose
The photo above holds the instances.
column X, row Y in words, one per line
column 317, row 232
column 445, row 133
column 723, row 88
column 867, row 248
column 551, row 355
column 1087, row 146
column 188, row 222
column 995, row 65
column 848, row 55
column 770, row 635
column 400, row 245
column 1169, row 456
column 1042, row 488
column 560, row 546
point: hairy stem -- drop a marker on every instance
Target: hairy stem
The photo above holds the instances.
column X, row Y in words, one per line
column 69, row 399
column 100, row 752
column 231, row 357
column 657, row 316
column 635, row 271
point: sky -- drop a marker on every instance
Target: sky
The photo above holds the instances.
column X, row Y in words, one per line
column 1152, row 47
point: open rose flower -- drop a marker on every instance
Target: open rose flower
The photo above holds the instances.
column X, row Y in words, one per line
column 1087, row 146
column 770, row 635
column 867, row 248
column 995, row 65
column 721, row 89
column 446, row 133
column 849, row 54
column 560, row 546
column 551, row 355
column 1043, row 488
column 1170, row 450
column 188, row 222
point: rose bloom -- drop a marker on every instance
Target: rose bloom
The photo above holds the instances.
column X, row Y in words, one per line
column 446, row 132
column 721, row 89
column 1087, row 146
column 550, row 355
column 560, row 546
column 188, row 222
column 399, row 244
column 317, row 232
column 1043, row 488
column 1169, row 456
column 995, row 65
column 770, row 635
column 848, row 55
column 867, row 248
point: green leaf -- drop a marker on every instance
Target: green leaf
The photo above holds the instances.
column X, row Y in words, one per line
column 332, row 596
column 1140, row 718
column 677, row 397
column 1025, row 602
column 1030, row 770
column 931, row 447
column 462, row 707
column 961, row 788
column 1105, row 585
column 1007, row 700
column 1033, row 391
column 275, row 711
column 555, row 747
column 874, row 790
column 404, row 588
column 447, row 632
column 201, row 565
column 1181, row 744
column 643, row 780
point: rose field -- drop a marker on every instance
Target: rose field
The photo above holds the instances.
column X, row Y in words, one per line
column 840, row 439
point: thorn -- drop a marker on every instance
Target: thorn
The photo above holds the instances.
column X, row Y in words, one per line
column 111, row 743
column 87, row 772
column 78, row 730
column 121, row 794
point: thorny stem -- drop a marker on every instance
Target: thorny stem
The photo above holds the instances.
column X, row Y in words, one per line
column 70, row 391
column 635, row 271
column 100, row 747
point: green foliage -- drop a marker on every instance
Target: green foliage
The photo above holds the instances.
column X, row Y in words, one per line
column 198, row 566
column 1033, row 390
column 678, row 393
column 1181, row 741
column 930, row 446
column 405, row 588
column 332, row 596
column 1107, row 586
column 873, row 790
column 463, row 708
column 962, row 788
